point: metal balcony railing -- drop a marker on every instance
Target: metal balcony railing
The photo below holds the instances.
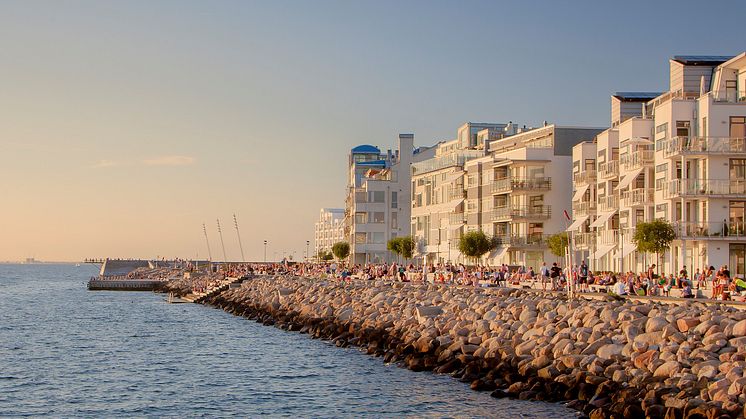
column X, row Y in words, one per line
column 455, row 218
column 581, row 209
column 637, row 159
column 521, row 241
column 608, row 170
column 457, row 192
column 608, row 237
column 636, row 197
column 726, row 188
column 728, row 96
column 703, row 146
column 584, row 240
column 711, row 230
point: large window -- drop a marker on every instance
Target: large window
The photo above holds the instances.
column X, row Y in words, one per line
column 737, row 263
column 736, row 222
column 361, row 218
column 360, row 238
column 394, row 199
column 377, row 217
column 394, row 220
column 376, row 196
column 738, row 127
column 682, row 128
column 376, row 238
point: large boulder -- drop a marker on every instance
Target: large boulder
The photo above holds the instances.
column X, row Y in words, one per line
column 739, row 329
column 686, row 323
column 667, row 369
column 609, row 350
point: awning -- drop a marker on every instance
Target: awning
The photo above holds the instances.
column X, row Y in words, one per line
column 628, row 178
column 453, row 176
column 602, row 219
column 637, row 140
column 577, row 223
column 455, row 227
column 628, row 248
column 580, row 192
column 453, row 204
column 496, row 253
column 602, row 250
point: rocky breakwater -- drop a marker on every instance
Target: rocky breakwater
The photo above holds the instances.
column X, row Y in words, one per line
column 608, row 358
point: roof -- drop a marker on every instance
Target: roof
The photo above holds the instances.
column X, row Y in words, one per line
column 702, row 59
column 636, row 96
column 371, row 163
column 366, row 148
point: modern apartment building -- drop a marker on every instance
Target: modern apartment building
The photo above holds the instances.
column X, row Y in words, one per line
column 329, row 229
column 438, row 194
column 681, row 157
column 377, row 206
column 519, row 191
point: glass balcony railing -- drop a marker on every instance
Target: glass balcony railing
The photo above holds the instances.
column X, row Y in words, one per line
column 456, row 218
column 723, row 230
column 583, row 178
column 637, row 159
column 704, row 146
column 518, row 184
column 609, row 169
column 456, row 193
column 728, row 96
column 521, row 241
column 608, row 203
column 584, row 240
column 705, row 187
column 581, row 209
column 532, row 212
column 636, row 197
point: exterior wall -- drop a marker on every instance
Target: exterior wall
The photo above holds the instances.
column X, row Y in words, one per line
column 329, row 229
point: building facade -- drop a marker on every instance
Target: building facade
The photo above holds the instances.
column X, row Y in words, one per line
column 328, row 230
column 680, row 157
column 377, row 206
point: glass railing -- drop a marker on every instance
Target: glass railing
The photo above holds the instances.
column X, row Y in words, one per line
column 637, row 159
column 580, row 209
column 642, row 196
column 512, row 240
column 704, row 145
column 728, row 96
column 538, row 211
column 510, row 184
column 457, row 193
column 608, row 203
column 453, row 159
column 584, row 239
column 456, row 218
column 609, row 169
column 713, row 230
column 705, row 187
column 584, row 177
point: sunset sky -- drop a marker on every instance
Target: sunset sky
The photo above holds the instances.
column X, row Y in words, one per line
column 126, row 125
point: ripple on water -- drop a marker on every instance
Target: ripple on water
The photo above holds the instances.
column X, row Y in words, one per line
column 70, row 352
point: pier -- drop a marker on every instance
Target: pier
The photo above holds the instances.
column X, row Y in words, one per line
column 99, row 284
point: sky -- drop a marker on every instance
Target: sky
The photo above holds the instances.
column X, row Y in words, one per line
column 124, row 126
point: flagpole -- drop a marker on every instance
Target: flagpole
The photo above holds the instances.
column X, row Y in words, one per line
column 570, row 279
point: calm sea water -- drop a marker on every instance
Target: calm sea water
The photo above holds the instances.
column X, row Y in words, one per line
column 65, row 351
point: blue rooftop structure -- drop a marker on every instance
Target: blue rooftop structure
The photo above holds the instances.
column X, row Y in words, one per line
column 636, row 96
column 702, row 59
column 366, row 148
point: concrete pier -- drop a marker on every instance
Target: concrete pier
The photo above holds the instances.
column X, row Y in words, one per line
column 123, row 284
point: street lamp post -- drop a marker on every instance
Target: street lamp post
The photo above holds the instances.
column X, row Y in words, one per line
column 265, row 251
column 308, row 259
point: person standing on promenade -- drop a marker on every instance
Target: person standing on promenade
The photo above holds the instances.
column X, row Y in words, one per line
column 554, row 274
column 544, row 272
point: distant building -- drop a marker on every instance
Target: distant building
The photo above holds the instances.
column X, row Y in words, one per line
column 329, row 229
column 377, row 207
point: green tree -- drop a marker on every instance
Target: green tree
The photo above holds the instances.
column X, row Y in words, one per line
column 341, row 250
column 557, row 244
column 475, row 244
column 402, row 246
column 394, row 246
column 654, row 237
column 324, row 255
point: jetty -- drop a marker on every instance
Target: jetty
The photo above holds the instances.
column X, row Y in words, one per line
column 104, row 284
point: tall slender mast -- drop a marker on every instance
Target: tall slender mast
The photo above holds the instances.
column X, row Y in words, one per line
column 238, row 233
column 220, row 232
column 209, row 252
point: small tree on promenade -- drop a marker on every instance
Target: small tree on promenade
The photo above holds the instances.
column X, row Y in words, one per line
column 557, row 244
column 475, row 244
column 402, row 246
column 654, row 237
column 341, row 250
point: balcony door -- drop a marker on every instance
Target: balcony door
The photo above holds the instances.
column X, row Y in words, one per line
column 737, row 212
column 737, row 261
column 738, row 127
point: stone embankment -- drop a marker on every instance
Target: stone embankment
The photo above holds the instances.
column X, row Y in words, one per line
column 608, row 358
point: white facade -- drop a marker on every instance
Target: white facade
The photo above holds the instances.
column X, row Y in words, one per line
column 683, row 159
column 328, row 230
column 378, row 200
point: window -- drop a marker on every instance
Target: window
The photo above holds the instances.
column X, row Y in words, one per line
column 661, row 208
column 590, row 164
column 394, row 220
column 361, row 197
column 377, row 217
column 660, row 142
column 703, row 132
column 682, row 128
column 501, row 201
column 376, row 238
column 361, row 218
column 418, row 200
column 661, row 168
column 394, row 199
column 639, row 216
column 360, row 238
column 376, row 196
column 738, row 127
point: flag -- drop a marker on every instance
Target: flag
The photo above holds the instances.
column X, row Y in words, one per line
column 567, row 215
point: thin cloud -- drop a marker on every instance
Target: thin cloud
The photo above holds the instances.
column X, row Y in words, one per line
column 169, row 161
column 105, row 163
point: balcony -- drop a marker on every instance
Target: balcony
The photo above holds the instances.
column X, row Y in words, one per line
column 728, row 96
column 521, row 184
column 584, row 178
column 714, row 188
column 609, row 169
column 538, row 212
column 581, row 209
column 456, row 218
column 637, row 197
column 457, row 193
column 703, row 146
column 608, row 237
column 637, row 160
column 710, row 231
column 584, row 240
column 532, row 240
column 608, row 203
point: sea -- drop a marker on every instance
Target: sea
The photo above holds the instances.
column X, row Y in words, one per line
column 69, row 352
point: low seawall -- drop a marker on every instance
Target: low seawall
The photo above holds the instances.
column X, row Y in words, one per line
column 123, row 285
column 607, row 358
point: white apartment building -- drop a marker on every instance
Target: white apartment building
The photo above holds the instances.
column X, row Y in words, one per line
column 329, row 229
column 378, row 198
column 520, row 189
column 682, row 158
column 438, row 192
